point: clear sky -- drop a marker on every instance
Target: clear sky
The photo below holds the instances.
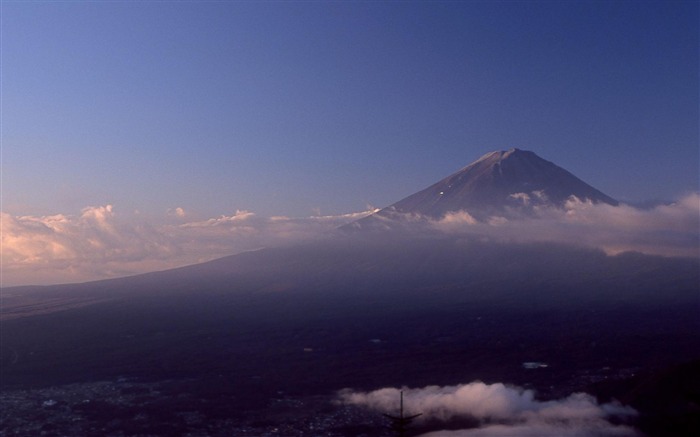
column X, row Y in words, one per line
column 142, row 135
column 290, row 108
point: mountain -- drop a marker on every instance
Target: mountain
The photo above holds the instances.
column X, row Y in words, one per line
column 488, row 306
column 508, row 183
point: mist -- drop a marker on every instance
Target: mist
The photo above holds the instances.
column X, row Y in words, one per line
column 668, row 229
column 501, row 410
column 102, row 242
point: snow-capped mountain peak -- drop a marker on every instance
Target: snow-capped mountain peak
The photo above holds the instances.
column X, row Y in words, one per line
column 504, row 182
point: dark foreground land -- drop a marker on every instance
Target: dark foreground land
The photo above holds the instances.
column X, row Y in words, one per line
column 259, row 344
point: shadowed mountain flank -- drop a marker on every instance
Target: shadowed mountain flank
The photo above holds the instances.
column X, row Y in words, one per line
column 504, row 183
column 489, row 306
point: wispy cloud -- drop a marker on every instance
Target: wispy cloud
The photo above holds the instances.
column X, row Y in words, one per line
column 670, row 230
column 100, row 243
column 93, row 244
column 501, row 410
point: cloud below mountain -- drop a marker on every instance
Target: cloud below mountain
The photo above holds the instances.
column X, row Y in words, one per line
column 669, row 230
column 100, row 242
column 501, row 410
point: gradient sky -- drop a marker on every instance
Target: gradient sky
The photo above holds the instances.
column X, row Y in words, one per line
column 296, row 108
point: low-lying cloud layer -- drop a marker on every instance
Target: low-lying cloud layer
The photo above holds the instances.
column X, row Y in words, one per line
column 101, row 242
column 501, row 410
column 669, row 230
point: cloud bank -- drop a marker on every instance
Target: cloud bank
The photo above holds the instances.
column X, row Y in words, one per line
column 669, row 230
column 100, row 242
column 501, row 410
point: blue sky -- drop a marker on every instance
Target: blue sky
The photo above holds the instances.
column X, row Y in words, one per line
column 285, row 108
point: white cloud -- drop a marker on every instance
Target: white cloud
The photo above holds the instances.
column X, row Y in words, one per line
column 540, row 430
column 177, row 212
column 100, row 243
column 91, row 245
column 238, row 217
column 524, row 198
column 457, row 218
column 501, row 410
column 670, row 230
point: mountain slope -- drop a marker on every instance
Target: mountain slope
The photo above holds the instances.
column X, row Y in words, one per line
column 506, row 183
column 253, row 316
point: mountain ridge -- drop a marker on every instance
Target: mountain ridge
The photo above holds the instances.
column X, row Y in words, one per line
column 507, row 183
